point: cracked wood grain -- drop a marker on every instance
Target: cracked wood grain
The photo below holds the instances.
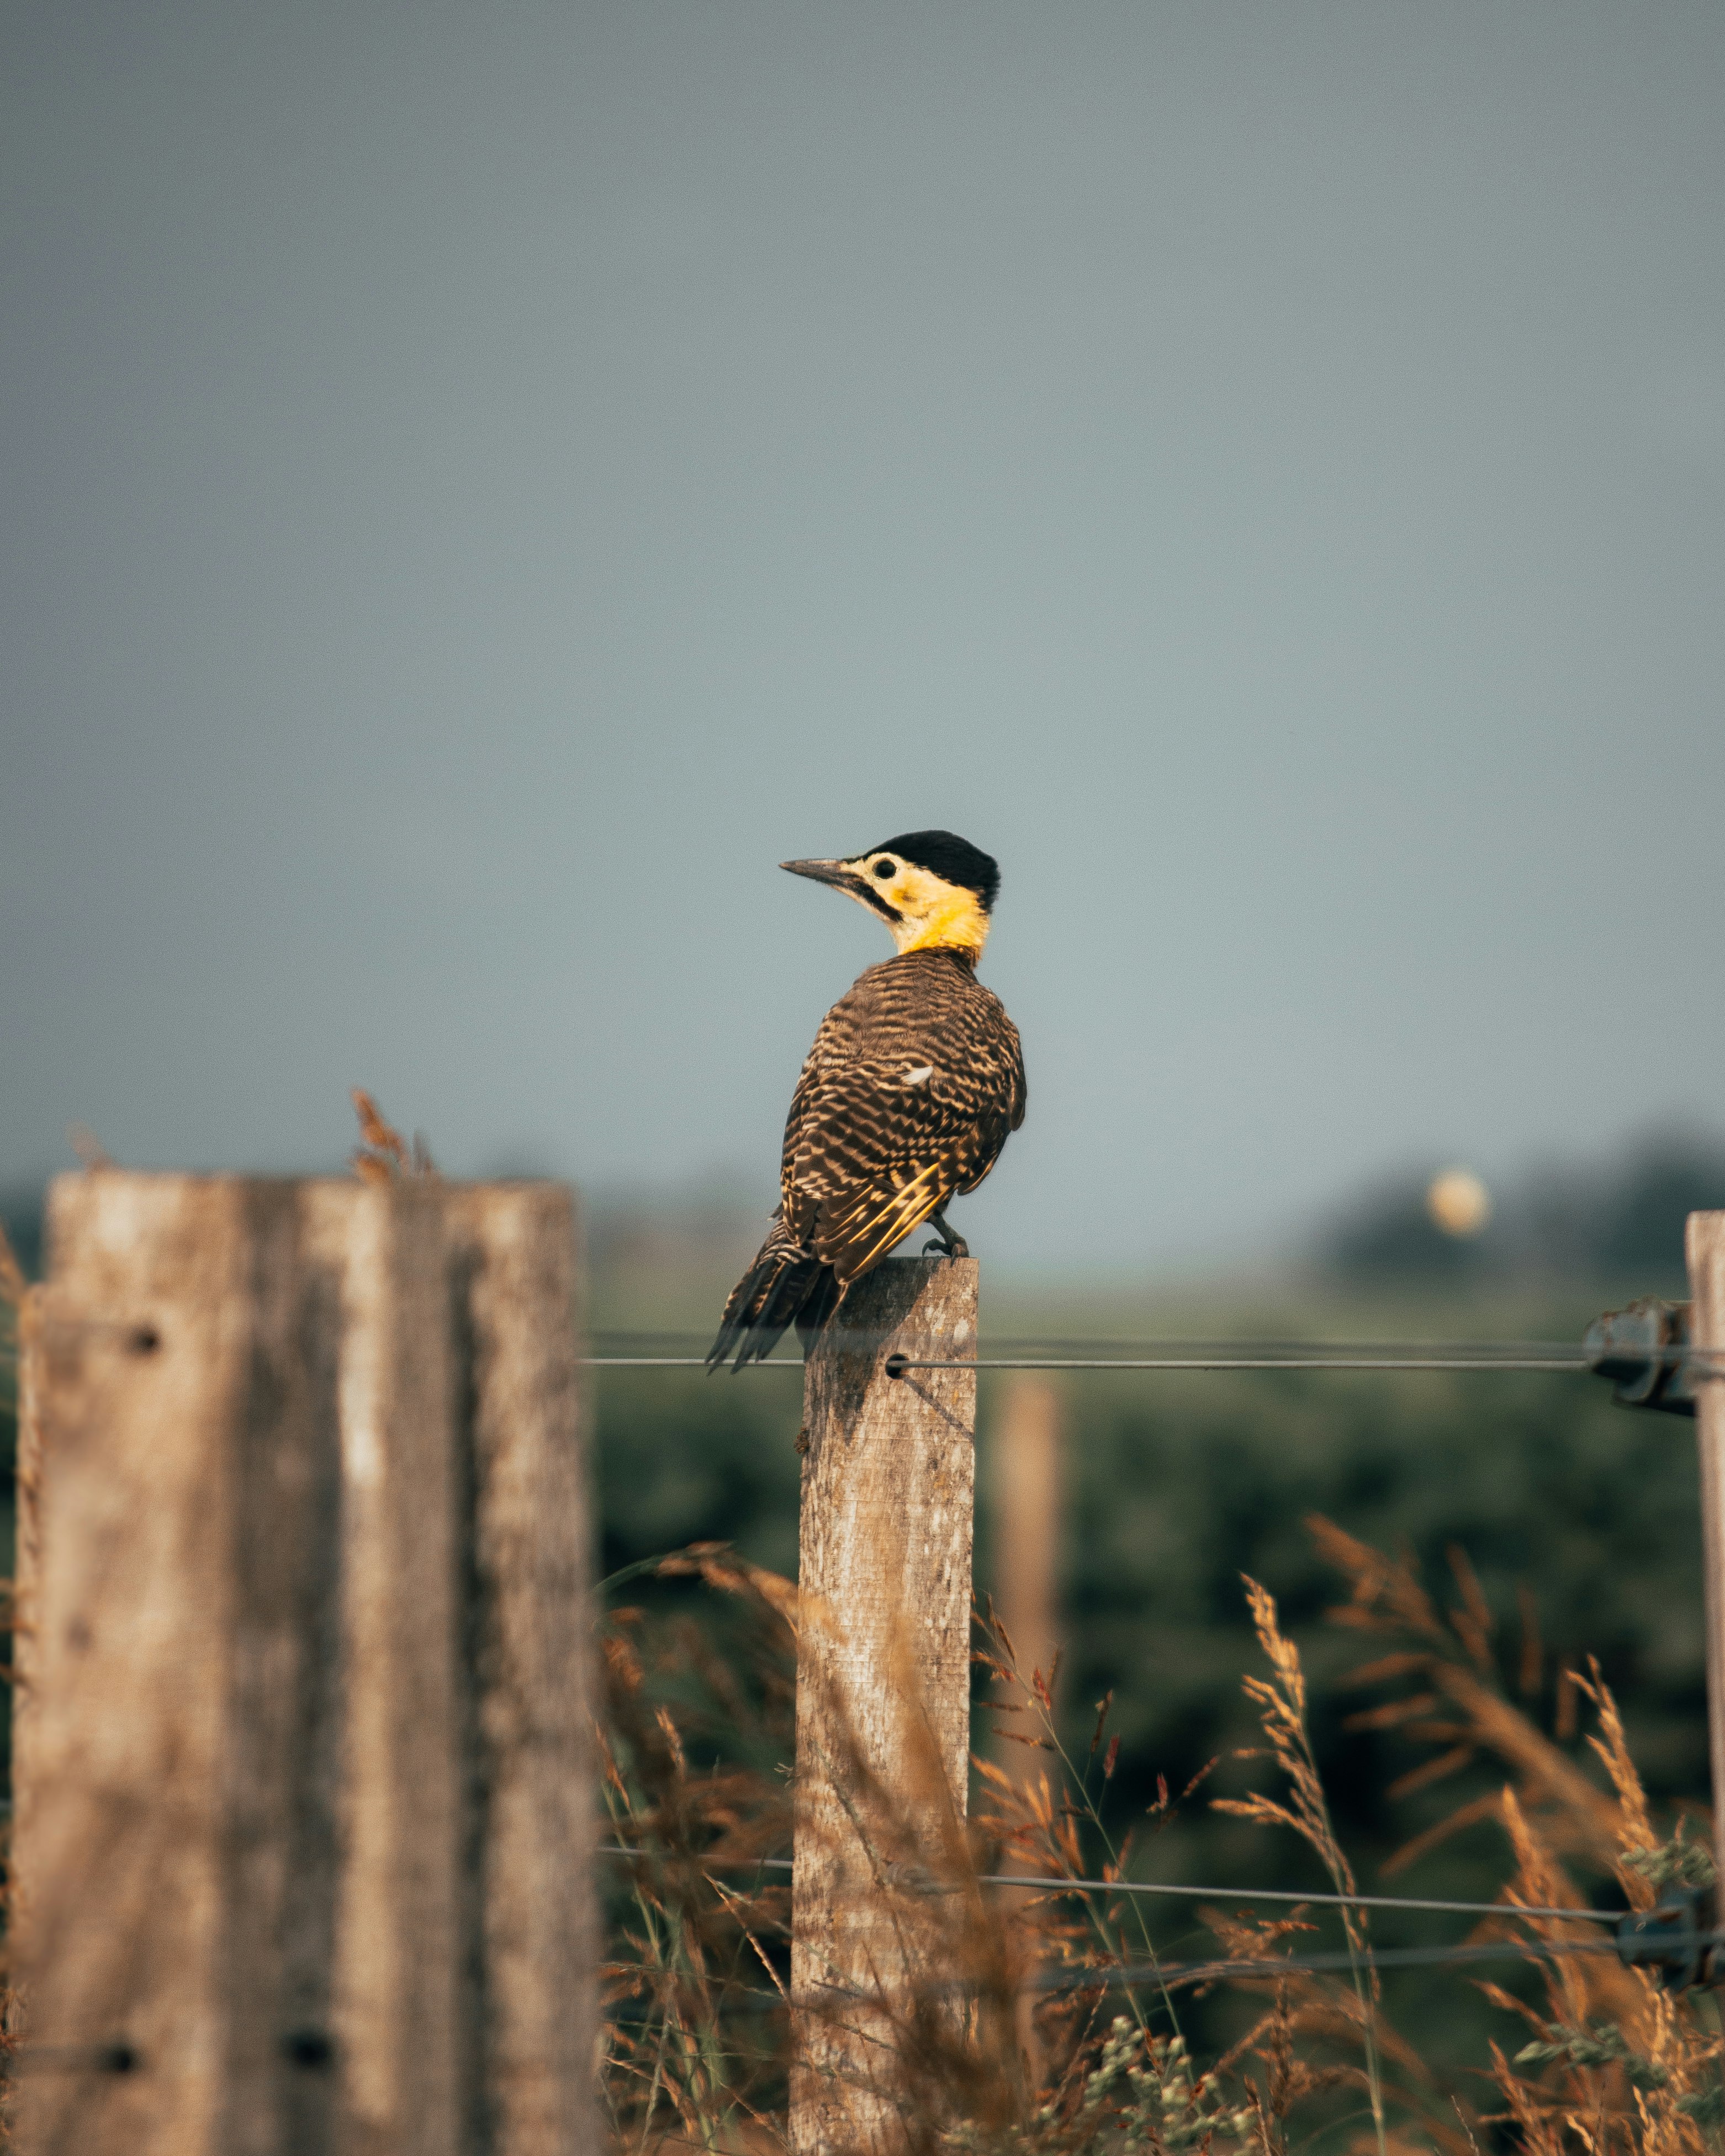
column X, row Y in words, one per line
column 303, row 1774
column 883, row 1681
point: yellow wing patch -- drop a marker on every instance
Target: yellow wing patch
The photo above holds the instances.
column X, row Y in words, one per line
column 909, row 1205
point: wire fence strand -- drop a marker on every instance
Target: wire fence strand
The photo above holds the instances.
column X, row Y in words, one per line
column 1056, row 1883
column 1550, row 1356
column 1663, row 1946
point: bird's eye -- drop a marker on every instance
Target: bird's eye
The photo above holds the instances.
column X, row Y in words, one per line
column 885, row 866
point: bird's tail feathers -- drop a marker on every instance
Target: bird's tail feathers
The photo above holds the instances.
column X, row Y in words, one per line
column 787, row 1284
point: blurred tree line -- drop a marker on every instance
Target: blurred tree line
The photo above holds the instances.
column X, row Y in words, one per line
column 1619, row 1222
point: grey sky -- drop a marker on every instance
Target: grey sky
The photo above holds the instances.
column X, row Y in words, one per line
column 481, row 486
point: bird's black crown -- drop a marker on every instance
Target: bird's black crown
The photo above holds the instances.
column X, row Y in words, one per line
column 953, row 859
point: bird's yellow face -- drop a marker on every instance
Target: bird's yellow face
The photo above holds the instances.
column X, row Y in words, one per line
column 922, row 911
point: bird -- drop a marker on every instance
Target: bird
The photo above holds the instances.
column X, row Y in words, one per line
column 913, row 1085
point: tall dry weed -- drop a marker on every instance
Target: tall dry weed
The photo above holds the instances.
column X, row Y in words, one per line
column 383, row 1153
column 1617, row 2063
column 1280, row 1703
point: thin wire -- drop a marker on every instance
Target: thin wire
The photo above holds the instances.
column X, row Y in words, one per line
column 1242, row 1343
column 1281, row 1894
column 1550, row 1356
column 1169, row 1975
column 1564, row 1362
column 1187, row 1972
column 1192, row 1343
column 1542, row 1356
column 627, row 1343
column 1570, row 1363
column 669, row 1363
column 1059, row 1885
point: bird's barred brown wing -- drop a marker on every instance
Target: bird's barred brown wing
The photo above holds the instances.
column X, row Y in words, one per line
column 913, row 1084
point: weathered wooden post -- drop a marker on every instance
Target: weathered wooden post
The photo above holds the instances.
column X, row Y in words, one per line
column 883, row 1680
column 1704, row 1245
column 534, row 1953
column 301, row 1761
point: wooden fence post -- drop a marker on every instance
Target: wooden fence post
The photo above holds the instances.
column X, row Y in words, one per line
column 303, row 1515
column 883, row 1680
column 397, row 1714
column 535, row 1952
column 1704, row 1242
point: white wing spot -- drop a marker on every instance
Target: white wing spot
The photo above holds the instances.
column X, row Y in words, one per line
column 915, row 1077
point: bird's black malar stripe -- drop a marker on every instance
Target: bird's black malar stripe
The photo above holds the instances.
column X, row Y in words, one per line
column 870, row 894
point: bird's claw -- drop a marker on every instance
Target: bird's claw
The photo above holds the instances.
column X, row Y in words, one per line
column 947, row 1247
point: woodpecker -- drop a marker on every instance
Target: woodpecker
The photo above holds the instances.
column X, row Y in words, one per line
column 915, row 1080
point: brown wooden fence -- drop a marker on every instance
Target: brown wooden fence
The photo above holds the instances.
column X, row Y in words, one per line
column 303, row 1748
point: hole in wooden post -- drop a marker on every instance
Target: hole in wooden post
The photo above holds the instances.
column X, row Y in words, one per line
column 143, row 1340
column 897, row 1365
column 308, row 2047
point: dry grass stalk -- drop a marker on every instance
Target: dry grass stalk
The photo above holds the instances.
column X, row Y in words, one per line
column 1459, row 1704
column 1280, row 1703
column 1617, row 2063
column 382, row 1153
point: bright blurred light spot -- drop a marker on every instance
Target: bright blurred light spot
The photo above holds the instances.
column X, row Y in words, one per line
column 1458, row 1202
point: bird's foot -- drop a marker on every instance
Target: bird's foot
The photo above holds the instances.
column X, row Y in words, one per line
column 948, row 1245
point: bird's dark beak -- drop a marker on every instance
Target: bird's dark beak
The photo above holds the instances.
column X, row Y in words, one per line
column 834, row 872
column 844, row 877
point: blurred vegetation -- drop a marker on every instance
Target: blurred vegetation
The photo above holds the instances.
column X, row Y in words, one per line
column 1577, row 1518
column 1574, row 1519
